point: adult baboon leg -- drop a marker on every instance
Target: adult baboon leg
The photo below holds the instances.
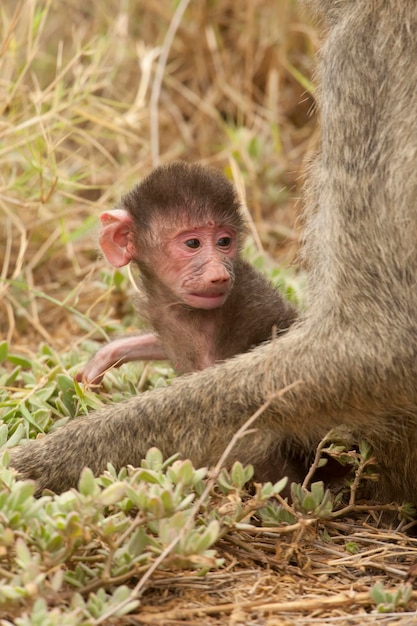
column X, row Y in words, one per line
column 199, row 414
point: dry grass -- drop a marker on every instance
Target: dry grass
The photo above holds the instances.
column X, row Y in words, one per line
column 80, row 101
column 92, row 96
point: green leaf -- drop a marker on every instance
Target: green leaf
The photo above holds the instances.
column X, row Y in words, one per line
column 16, row 437
column 279, row 486
column 87, row 484
column 17, row 359
column 65, row 382
column 21, row 493
column 238, row 475
column 317, row 491
column 154, row 459
column 167, row 500
column 156, row 507
column 377, row 593
column 352, row 547
column 209, row 536
column 122, row 594
column 184, row 471
column 308, row 504
column 150, row 476
column 170, row 528
column 23, row 554
column 365, row 449
column 138, row 542
column 4, row 432
column 113, row 494
column 4, row 350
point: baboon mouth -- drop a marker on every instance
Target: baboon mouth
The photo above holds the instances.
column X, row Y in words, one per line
column 209, row 295
column 207, row 300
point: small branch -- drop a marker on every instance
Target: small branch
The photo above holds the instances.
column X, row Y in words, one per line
column 323, row 443
column 358, row 475
column 136, row 591
column 304, row 605
column 159, row 75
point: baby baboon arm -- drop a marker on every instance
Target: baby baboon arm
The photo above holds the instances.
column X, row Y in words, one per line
column 146, row 347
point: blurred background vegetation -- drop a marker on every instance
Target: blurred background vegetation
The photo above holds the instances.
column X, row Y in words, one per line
column 93, row 95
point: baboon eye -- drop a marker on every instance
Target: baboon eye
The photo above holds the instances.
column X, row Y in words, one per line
column 224, row 242
column 192, row 243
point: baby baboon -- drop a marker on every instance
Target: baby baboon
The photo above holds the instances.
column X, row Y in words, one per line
column 183, row 228
column 355, row 351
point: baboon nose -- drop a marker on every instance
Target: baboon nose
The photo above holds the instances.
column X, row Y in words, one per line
column 220, row 279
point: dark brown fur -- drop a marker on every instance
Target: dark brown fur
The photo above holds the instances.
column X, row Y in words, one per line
column 355, row 351
column 182, row 191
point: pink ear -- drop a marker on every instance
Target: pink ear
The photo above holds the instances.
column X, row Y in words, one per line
column 116, row 237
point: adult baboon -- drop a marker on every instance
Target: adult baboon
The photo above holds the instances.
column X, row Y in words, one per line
column 355, row 350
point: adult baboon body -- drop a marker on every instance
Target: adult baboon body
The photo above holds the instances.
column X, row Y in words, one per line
column 355, row 350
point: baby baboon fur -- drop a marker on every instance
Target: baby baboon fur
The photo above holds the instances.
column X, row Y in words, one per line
column 354, row 352
column 183, row 227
